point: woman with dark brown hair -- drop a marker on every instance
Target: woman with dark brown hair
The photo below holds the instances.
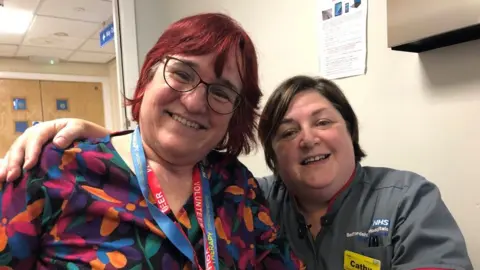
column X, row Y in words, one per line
column 336, row 213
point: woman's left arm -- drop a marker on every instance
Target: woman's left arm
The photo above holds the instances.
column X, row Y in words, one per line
column 426, row 235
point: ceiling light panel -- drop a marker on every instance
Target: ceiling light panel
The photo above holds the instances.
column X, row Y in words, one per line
column 85, row 10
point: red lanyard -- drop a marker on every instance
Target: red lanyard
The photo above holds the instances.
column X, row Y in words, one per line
column 162, row 204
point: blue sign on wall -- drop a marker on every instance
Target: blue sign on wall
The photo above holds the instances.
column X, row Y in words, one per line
column 21, row 126
column 19, row 104
column 62, row 105
column 106, row 35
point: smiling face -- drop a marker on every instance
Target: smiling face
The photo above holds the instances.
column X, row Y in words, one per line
column 181, row 127
column 313, row 148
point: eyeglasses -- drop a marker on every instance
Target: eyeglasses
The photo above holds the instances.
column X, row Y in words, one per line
column 182, row 77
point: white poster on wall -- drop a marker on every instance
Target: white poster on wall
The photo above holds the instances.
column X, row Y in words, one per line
column 343, row 38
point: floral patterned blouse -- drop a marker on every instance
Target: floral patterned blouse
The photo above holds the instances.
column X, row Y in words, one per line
column 82, row 208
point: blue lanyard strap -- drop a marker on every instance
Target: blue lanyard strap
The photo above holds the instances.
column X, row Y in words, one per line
column 210, row 235
column 169, row 228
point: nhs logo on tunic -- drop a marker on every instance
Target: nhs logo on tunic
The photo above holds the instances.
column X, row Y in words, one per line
column 380, row 222
column 379, row 227
column 106, row 35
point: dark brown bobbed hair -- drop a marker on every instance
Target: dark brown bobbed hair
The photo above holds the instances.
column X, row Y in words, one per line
column 279, row 101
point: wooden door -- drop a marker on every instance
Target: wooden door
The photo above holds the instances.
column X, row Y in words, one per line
column 20, row 105
column 72, row 99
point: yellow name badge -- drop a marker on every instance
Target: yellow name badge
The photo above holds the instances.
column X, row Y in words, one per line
column 355, row 261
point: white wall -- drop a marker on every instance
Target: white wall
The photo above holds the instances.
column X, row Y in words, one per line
column 417, row 112
column 116, row 98
column 149, row 25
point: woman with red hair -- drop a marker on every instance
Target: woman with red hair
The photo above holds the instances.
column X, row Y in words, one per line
column 172, row 193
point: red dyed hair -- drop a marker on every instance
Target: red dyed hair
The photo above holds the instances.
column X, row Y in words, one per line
column 204, row 34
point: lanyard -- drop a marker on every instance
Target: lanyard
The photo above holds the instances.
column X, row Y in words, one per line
column 202, row 203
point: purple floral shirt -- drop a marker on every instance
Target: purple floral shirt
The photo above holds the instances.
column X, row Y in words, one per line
column 82, row 208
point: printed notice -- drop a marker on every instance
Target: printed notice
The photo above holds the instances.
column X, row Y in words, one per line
column 343, row 38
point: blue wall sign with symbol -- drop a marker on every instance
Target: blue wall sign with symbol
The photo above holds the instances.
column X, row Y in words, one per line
column 19, row 104
column 62, row 105
column 106, row 35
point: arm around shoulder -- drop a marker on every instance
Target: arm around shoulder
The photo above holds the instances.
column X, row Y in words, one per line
column 426, row 235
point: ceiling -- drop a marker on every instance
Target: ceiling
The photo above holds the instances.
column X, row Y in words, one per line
column 68, row 30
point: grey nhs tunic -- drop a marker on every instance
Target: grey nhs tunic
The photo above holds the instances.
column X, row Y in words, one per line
column 414, row 227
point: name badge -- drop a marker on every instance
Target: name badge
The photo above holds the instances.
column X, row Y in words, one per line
column 355, row 261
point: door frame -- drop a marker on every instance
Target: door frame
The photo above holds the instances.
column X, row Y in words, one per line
column 72, row 78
